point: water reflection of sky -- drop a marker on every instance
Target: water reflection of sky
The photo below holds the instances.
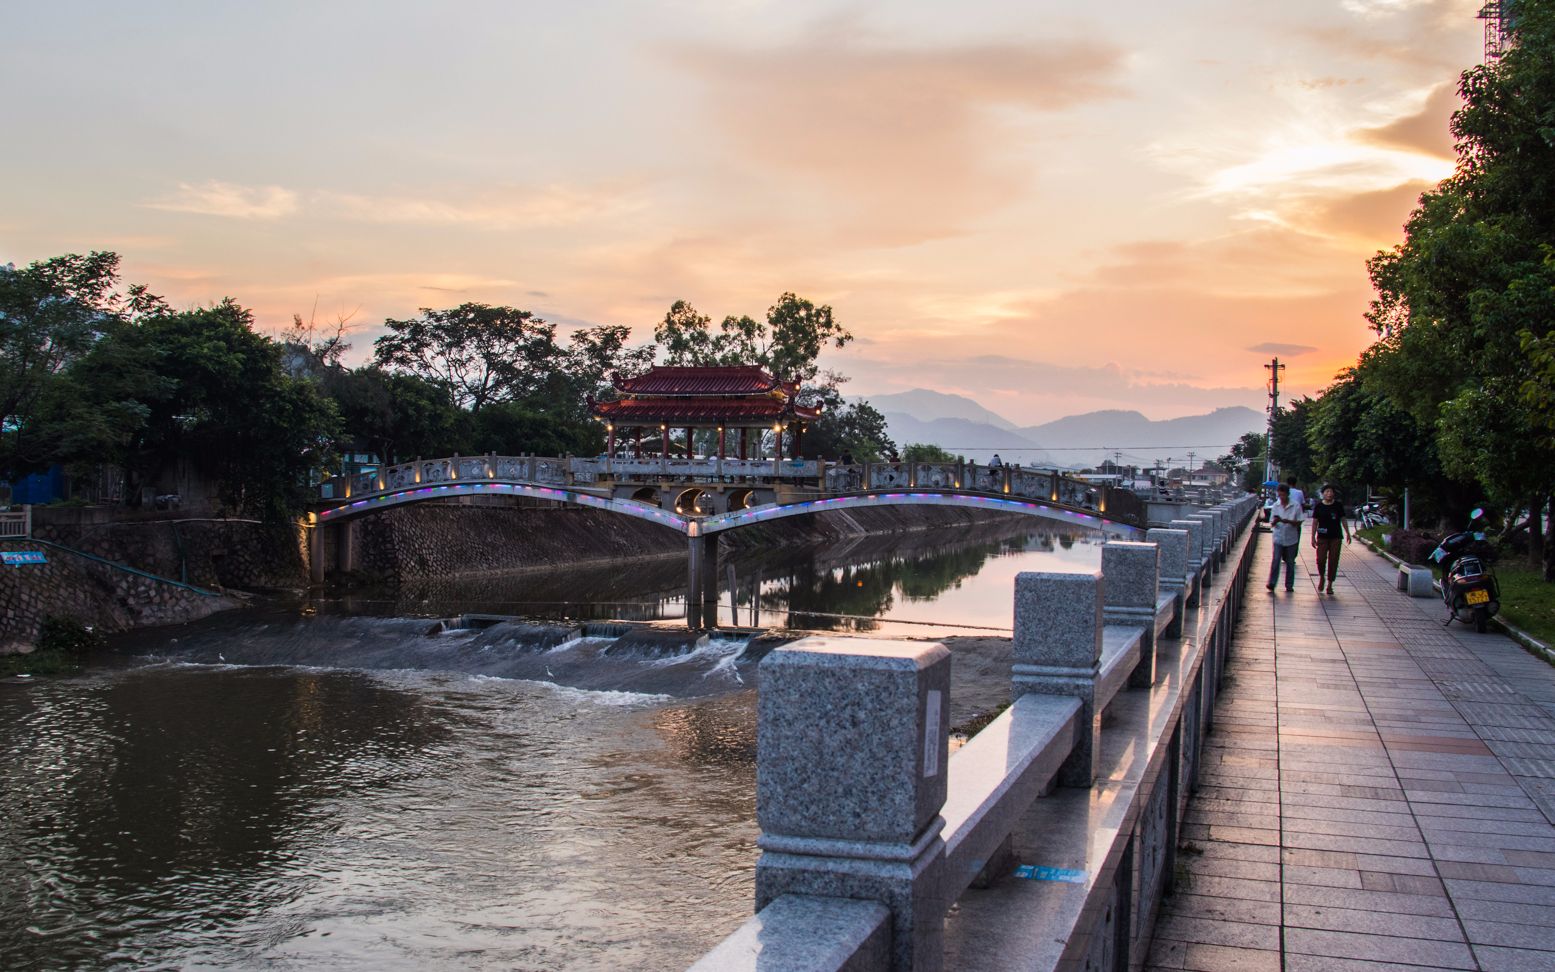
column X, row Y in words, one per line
column 963, row 589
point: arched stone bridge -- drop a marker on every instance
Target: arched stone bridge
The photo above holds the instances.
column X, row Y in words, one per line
column 701, row 498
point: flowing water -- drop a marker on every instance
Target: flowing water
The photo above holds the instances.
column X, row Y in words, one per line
column 342, row 785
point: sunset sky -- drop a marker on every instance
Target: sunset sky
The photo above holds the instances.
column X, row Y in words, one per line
column 1047, row 208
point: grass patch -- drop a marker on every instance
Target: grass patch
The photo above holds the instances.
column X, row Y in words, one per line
column 40, row 662
column 1527, row 601
column 63, row 644
column 979, row 722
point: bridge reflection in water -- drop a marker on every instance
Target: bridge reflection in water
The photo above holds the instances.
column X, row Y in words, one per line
column 918, row 583
column 701, row 498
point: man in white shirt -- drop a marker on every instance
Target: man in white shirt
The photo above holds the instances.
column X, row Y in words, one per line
column 1285, row 521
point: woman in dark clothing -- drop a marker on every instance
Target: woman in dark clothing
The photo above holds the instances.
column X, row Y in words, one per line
column 1328, row 525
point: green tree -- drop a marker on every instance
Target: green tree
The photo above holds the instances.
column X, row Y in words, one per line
column 197, row 387
column 787, row 344
column 1467, row 300
column 397, row 416
column 927, row 452
column 482, row 354
column 856, row 428
column 1246, row 460
column 1292, row 454
column 51, row 313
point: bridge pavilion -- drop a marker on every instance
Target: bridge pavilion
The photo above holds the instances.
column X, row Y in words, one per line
column 722, row 398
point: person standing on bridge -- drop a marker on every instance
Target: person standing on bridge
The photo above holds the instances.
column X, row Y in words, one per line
column 1328, row 523
column 995, row 462
column 1285, row 520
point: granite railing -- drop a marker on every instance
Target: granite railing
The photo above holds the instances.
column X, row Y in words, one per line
column 16, row 523
column 826, row 476
column 871, row 830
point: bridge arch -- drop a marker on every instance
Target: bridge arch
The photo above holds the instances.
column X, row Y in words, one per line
column 736, row 518
column 450, row 490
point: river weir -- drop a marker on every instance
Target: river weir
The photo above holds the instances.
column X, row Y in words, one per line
column 525, row 772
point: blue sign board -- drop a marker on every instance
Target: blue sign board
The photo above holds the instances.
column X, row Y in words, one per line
column 1040, row 872
column 15, row 558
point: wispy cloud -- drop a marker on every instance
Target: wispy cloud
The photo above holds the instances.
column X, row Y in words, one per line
column 499, row 208
column 216, row 198
column 1271, row 347
column 544, row 207
column 904, row 141
column 1425, row 131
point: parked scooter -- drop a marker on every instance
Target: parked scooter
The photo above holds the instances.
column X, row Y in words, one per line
column 1469, row 587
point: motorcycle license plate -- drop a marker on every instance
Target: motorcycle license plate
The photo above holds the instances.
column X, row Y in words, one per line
column 1478, row 597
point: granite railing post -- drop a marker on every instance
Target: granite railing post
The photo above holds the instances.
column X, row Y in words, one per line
column 1133, row 573
column 1196, row 530
column 1207, row 538
column 852, row 751
column 1174, row 569
column 1058, row 638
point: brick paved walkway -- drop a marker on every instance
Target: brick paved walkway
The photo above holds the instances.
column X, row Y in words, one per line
column 1378, row 792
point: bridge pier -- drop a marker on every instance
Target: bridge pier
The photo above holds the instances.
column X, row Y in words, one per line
column 702, row 582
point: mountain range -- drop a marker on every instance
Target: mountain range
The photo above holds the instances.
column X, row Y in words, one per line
column 960, row 425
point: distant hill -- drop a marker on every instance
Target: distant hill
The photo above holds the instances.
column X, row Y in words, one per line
column 925, row 405
column 978, row 441
column 960, row 425
column 1090, row 438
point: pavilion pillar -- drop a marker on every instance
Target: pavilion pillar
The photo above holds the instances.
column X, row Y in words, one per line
column 664, row 447
column 777, row 443
column 610, row 449
column 689, row 449
column 744, row 441
column 638, row 448
column 720, row 443
column 798, row 440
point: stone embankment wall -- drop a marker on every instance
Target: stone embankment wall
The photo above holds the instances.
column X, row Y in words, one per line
column 208, row 553
column 91, row 593
column 427, row 540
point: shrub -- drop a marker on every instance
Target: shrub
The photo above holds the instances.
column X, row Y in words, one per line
column 1413, row 546
column 67, row 636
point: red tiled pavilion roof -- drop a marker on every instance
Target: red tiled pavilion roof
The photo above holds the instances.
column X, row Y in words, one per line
column 721, row 380
column 701, row 411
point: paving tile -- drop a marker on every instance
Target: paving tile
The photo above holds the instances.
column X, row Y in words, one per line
column 1393, row 924
column 1408, row 951
column 1511, row 935
column 1496, row 959
column 1323, row 877
column 1436, row 906
column 1206, row 931
column 1218, row 958
column 1328, row 963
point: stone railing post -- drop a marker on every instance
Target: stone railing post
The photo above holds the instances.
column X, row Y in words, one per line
column 1174, row 570
column 1133, row 573
column 1196, row 538
column 852, row 751
column 1058, row 637
column 1207, row 538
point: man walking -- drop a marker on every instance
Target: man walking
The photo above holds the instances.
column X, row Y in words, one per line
column 1285, row 521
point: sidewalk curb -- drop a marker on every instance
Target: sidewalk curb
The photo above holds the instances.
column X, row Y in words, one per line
column 1527, row 641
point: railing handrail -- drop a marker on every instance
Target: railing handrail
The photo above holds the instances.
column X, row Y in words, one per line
column 829, row 477
column 16, row 524
column 992, row 781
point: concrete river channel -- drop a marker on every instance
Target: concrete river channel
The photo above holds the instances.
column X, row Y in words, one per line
column 356, row 784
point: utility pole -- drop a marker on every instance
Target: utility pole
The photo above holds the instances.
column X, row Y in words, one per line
column 1275, row 368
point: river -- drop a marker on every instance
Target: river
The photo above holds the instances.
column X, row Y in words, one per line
column 352, row 784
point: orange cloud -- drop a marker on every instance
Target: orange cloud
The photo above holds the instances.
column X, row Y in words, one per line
column 904, row 142
column 1425, row 132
